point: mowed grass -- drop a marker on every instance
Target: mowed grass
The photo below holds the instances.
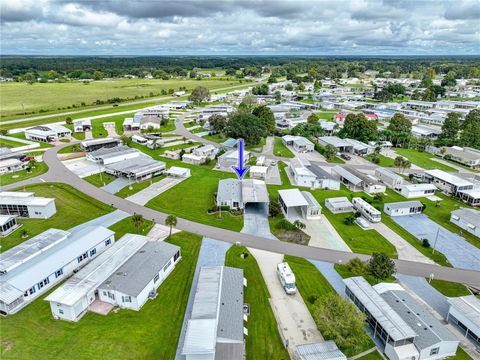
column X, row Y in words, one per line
column 10, row 178
column 8, row 143
column 450, row 289
column 100, row 179
column 263, row 340
column 73, row 208
column 384, row 161
column 422, row 159
column 126, row 226
column 279, row 149
column 151, row 333
column 374, row 355
column 136, row 187
column 312, row 285
column 52, row 96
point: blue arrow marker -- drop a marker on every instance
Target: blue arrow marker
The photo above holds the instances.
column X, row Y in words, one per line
column 240, row 169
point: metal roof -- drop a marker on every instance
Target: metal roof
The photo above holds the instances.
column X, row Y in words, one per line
column 23, row 198
column 319, row 172
column 468, row 306
column 229, row 189
column 419, row 187
column 404, row 204
column 339, row 202
column 135, row 274
column 347, row 175
column 6, row 218
column 292, row 197
column 449, row 178
column 138, row 166
column 469, row 215
column 367, row 179
column 217, row 311
column 391, row 322
column 108, row 152
column 254, row 191
column 335, row 141
column 327, row 350
column 99, row 141
column 98, row 270
column 429, row 330
column 312, row 202
column 388, row 173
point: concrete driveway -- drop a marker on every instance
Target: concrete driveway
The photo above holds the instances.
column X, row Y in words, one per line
column 293, row 317
column 404, row 249
column 459, row 252
column 116, row 185
column 145, row 195
column 268, row 147
column 82, row 167
column 273, row 176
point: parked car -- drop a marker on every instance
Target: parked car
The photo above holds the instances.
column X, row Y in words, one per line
column 115, row 105
column 345, row 156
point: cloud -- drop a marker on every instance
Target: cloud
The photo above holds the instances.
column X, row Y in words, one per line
column 239, row 27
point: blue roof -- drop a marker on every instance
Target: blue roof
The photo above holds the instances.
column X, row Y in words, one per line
column 231, row 143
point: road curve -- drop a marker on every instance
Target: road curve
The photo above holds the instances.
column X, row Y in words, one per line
column 59, row 173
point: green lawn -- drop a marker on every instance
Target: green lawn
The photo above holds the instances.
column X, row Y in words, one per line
column 69, row 149
column 422, row 159
column 312, row 285
column 126, row 226
column 279, row 149
column 76, row 135
column 151, row 333
column 73, row 208
column 375, row 355
column 263, row 340
column 100, row 179
column 21, row 135
column 384, row 161
column 136, row 187
column 55, row 96
column 7, row 143
column 450, row 289
column 460, row 355
column 188, row 144
column 98, row 131
column 218, row 138
column 9, row 178
column 342, row 270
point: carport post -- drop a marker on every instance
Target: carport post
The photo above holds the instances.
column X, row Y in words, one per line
column 436, row 238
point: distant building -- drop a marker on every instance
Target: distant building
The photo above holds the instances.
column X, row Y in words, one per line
column 417, row 190
column 339, row 205
column 82, row 125
column 466, row 156
column 301, row 174
column 215, row 329
column 230, row 158
column 299, row 143
column 446, row 182
column 464, row 313
column 47, row 133
column 389, row 178
column 403, row 208
column 110, row 155
column 95, row 144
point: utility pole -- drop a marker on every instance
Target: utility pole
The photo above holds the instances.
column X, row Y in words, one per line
column 436, row 238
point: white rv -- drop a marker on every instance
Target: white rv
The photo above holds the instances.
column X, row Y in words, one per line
column 367, row 210
column 287, row 278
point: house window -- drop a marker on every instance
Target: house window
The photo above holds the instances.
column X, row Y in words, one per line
column 93, row 252
column 165, row 268
column 60, row 311
column 43, row 283
column 155, row 279
column 82, row 257
column 31, row 291
column 176, row 256
column 126, row 299
column 434, row 351
column 108, row 242
column 58, row 273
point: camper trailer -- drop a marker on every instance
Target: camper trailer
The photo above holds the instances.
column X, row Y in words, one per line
column 287, row 278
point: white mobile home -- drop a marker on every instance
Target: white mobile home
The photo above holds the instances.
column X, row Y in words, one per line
column 464, row 313
column 8, row 224
column 389, row 178
column 324, row 179
column 301, row 174
column 367, row 210
column 467, row 219
column 95, row 144
column 417, row 190
column 403, row 208
column 31, row 268
column 296, row 203
column 447, row 183
column 26, row 205
column 47, row 133
column 339, row 205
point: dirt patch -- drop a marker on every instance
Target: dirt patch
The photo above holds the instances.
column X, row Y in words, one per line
column 293, row 236
column 7, row 345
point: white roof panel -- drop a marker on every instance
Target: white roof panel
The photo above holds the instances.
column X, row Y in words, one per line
column 292, row 197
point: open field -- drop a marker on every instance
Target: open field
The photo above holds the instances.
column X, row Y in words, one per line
column 73, row 208
column 279, row 149
column 21, row 98
column 9, row 178
column 263, row 340
column 312, row 285
column 151, row 333
column 422, row 159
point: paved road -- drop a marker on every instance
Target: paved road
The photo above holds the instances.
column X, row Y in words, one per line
column 40, row 117
column 59, row 173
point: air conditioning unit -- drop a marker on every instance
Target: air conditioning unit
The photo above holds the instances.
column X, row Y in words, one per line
column 152, row 294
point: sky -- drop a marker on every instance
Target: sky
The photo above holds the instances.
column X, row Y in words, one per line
column 248, row 27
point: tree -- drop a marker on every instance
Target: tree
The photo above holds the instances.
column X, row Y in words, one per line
column 171, row 221
column 265, row 115
column 380, row 266
column 126, row 140
column 52, row 74
column 217, row 123
column 470, row 135
column 313, row 118
column 449, row 79
column 274, row 208
column 357, row 127
column 399, row 123
column 98, row 75
column 137, row 221
column 450, row 128
column 357, row 267
column 401, row 162
column 200, row 94
column 329, row 152
column 341, row 321
column 242, row 124
column 307, row 130
column 299, row 226
column 68, row 120
column 260, row 90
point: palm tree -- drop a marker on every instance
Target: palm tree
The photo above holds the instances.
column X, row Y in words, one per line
column 299, row 226
column 171, row 221
column 137, row 221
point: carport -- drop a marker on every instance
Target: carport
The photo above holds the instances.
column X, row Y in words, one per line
column 293, row 203
column 254, row 192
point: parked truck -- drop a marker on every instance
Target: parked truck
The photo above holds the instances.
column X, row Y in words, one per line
column 287, row 278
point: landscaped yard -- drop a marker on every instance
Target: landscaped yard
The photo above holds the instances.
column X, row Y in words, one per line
column 126, row 226
column 345, row 273
column 9, row 178
column 312, row 285
column 151, row 333
column 263, row 340
column 100, row 179
column 73, row 208
column 422, row 159
column 218, row 138
column 321, row 150
column 384, row 161
column 450, row 289
column 279, row 149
